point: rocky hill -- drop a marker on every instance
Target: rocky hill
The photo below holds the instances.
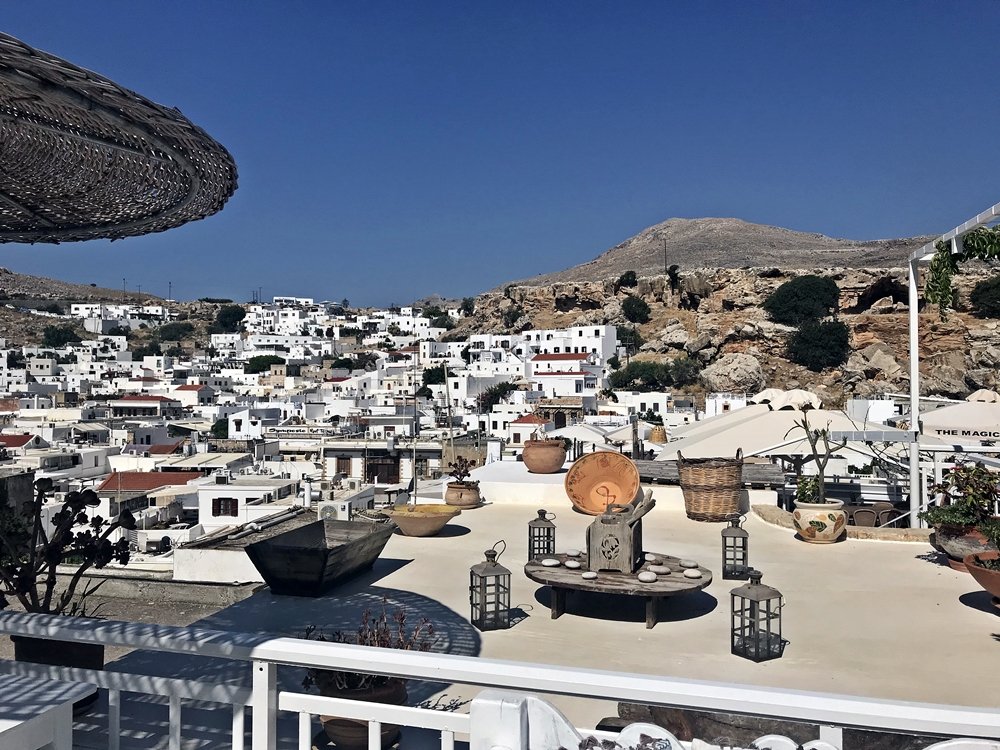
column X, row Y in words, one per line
column 715, row 317
column 732, row 243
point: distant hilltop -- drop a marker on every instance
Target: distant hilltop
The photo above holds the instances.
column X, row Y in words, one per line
column 732, row 243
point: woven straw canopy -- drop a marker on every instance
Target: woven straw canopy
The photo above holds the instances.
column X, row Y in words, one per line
column 82, row 158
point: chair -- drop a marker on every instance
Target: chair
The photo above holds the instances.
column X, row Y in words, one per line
column 888, row 517
column 864, row 517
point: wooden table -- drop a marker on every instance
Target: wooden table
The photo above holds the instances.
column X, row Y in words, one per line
column 561, row 579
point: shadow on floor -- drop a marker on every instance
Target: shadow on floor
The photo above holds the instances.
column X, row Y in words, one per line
column 619, row 608
column 981, row 600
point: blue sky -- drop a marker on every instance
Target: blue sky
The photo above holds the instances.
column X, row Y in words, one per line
column 390, row 150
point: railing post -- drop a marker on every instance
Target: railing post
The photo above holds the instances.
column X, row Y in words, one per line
column 264, row 704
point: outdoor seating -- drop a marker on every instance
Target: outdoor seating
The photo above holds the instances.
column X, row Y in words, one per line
column 864, row 517
column 36, row 714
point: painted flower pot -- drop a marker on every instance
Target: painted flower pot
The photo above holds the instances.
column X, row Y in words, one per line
column 820, row 523
column 463, row 495
column 959, row 541
column 422, row 520
column 987, row 578
column 353, row 734
column 544, row 456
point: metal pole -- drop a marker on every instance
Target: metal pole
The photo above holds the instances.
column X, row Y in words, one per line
column 914, row 448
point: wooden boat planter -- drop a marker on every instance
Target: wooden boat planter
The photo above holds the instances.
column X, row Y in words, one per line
column 309, row 560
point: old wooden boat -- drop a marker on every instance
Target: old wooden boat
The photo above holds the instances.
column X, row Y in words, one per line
column 309, row 560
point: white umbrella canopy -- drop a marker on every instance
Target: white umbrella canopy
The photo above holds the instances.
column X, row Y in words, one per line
column 768, row 433
column 796, row 399
column 719, row 422
column 968, row 421
column 985, row 396
column 766, row 396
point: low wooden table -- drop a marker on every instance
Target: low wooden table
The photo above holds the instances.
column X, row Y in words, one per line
column 561, row 579
column 37, row 713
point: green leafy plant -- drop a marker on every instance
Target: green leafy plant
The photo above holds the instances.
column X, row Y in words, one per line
column 383, row 630
column 627, row 280
column 30, row 554
column 969, row 495
column 57, row 337
column 822, row 450
column 635, row 309
column 820, row 345
column 979, row 244
column 803, row 298
column 461, row 467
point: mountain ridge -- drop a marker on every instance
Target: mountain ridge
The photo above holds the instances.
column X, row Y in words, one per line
column 711, row 242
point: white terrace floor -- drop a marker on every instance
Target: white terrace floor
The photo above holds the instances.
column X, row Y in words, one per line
column 864, row 618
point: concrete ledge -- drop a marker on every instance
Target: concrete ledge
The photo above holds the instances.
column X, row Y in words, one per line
column 156, row 588
column 779, row 517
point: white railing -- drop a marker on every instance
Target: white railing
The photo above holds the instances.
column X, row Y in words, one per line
column 260, row 690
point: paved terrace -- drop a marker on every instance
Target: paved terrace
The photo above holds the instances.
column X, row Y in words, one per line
column 866, row 618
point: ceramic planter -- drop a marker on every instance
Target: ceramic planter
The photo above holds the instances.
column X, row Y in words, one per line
column 422, row 520
column 988, row 579
column 959, row 541
column 350, row 734
column 544, row 456
column 819, row 523
column 463, row 495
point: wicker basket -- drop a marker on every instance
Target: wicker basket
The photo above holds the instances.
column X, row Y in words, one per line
column 711, row 486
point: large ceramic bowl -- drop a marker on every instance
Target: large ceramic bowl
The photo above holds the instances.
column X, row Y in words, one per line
column 423, row 519
column 600, row 479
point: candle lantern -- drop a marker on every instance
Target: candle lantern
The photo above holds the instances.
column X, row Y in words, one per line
column 756, row 620
column 489, row 592
column 735, row 550
column 541, row 536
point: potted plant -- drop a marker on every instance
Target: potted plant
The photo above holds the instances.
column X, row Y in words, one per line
column 34, row 552
column 544, row 455
column 817, row 519
column 462, row 492
column 969, row 495
column 384, row 630
column 985, row 566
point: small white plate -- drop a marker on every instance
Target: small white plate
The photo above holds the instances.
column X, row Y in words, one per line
column 652, row 559
column 550, row 562
column 589, row 575
column 688, row 564
column 572, row 564
column 692, row 573
column 660, row 570
column 572, row 553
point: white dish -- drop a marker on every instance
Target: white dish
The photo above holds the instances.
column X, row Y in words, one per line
column 572, row 553
column 692, row 573
column 688, row 564
column 647, row 577
column 589, row 575
column 550, row 562
column 660, row 570
column 572, row 564
column 652, row 559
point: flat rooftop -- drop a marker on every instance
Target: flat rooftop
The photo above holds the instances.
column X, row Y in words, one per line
column 867, row 618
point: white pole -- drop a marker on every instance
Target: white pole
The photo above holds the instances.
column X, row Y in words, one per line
column 914, row 452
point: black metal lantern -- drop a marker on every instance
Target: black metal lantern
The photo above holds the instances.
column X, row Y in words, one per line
column 756, row 620
column 489, row 592
column 541, row 536
column 735, row 550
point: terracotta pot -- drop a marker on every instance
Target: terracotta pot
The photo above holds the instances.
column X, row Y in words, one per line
column 959, row 541
column 424, row 519
column 61, row 654
column 463, row 495
column 544, row 456
column 988, row 579
column 351, row 733
column 819, row 523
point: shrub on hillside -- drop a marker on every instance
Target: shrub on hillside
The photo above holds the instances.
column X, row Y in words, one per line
column 985, row 298
column 56, row 337
column 819, row 345
column 229, row 318
column 627, row 280
column 262, row 363
column 635, row 309
column 629, row 338
column 801, row 299
column 174, row 331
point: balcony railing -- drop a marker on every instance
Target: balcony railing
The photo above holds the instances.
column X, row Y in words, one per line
column 241, row 671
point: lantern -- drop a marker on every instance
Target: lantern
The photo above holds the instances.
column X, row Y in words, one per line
column 735, row 550
column 489, row 592
column 756, row 620
column 541, row 536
